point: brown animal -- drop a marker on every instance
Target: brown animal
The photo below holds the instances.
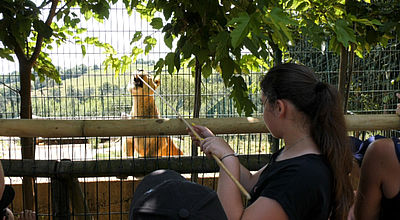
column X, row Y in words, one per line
column 143, row 107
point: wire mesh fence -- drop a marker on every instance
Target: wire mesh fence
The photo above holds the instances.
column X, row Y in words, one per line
column 91, row 91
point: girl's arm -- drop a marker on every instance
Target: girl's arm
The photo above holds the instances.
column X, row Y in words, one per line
column 228, row 193
column 369, row 195
column 247, row 179
column 231, row 199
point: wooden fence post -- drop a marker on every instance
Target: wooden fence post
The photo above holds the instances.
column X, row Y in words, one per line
column 78, row 200
column 60, row 198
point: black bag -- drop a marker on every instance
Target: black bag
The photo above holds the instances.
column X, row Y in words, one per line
column 165, row 194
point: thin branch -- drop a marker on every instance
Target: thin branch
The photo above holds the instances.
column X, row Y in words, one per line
column 44, row 4
column 62, row 8
column 39, row 40
column 12, row 89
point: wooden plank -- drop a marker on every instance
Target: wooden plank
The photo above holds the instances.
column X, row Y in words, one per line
column 121, row 168
column 147, row 127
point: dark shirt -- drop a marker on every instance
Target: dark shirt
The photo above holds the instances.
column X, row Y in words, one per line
column 390, row 208
column 301, row 185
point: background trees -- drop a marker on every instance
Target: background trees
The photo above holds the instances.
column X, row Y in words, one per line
column 231, row 37
column 28, row 28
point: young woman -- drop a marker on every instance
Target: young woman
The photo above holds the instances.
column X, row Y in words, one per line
column 308, row 178
column 378, row 195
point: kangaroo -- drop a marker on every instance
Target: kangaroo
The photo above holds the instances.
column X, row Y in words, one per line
column 143, row 107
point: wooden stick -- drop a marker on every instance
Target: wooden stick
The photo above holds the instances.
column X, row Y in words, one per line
column 219, row 162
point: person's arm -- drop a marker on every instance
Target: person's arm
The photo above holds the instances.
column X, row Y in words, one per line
column 369, row 195
column 229, row 194
column 398, row 105
column 1, row 180
column 247, row 179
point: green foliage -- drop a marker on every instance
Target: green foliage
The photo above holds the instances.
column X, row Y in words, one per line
column 25, row 32
column 156, row 23
column 362, row 24
column 344, row 33
column 6, row 54
column 241, row 30
column 214, row 33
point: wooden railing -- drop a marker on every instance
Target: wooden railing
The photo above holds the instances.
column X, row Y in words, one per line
column 64, row 173
column 145, row 127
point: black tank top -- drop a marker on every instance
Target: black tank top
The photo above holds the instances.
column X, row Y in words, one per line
column 390, row 207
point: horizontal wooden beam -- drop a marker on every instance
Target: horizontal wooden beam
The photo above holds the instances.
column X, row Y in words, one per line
column 148, row 127
column 121, row 168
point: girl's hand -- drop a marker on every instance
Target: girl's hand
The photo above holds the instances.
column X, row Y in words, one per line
column 398, row 105
column 202, row 131
column 215, row 145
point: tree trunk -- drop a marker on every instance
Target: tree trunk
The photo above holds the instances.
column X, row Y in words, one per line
column 197, row 106
column 348, row 78
column 28, row 151
column 342, row 73
column 343, row 76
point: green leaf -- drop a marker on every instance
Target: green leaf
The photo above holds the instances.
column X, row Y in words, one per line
column 334, row 45
column 303, row 6
column 159, row 66
column 167, row 11
column 125, row 62
column 222, row 45
column 80, row 30
column 136, row 37
column 202, row 55
column 249, row 44
column 83, row 48
column 74, row 22
column 177, row 60
column 240, row 96
column 227, row 68
column 150, row 43
column 241, row 30
column 168, row 41
column 6, row 54
column 45, row 68
column 344, row 33
column 136, row 52
column 156, row 23
column 192, row 63
column 187, row 49
column 169, row 61
column 367, row 22
column 206, row 70
column 280, row 21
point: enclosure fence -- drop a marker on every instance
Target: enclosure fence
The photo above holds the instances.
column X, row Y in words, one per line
column 94, row 139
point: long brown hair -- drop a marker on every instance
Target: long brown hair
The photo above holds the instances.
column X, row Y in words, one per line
column 321, row 103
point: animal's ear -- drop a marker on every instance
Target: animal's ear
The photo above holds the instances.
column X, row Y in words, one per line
column 157, row 80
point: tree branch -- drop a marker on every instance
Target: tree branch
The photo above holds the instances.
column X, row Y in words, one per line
column 12, row 89
column 39, row 41
column 61, row 8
